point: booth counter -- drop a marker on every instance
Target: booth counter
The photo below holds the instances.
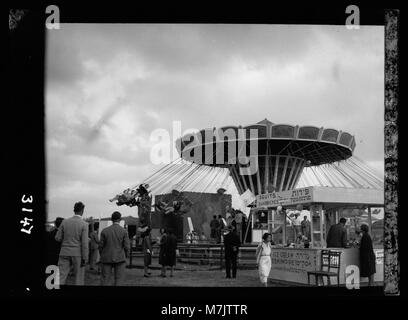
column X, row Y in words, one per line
column 326, row 205
column 292, row 264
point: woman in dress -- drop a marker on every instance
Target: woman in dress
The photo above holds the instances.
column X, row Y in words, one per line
column 169, row 253
column 263, row 258
column 367, row 256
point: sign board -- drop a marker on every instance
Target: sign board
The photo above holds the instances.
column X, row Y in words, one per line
column 315, row 194
column 248, row 197
column 293, row 264
column 284, row 198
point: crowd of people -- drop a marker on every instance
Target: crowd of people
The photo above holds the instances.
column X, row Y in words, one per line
column 235, row 218
column 337, row 238
column 74, row 243
column 167, row 241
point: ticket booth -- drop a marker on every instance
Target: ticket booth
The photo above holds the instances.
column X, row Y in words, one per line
column 324, row 206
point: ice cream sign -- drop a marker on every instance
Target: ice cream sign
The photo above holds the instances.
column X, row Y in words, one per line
column 282, row 198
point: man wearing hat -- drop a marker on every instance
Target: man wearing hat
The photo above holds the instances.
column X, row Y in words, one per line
column 73, row 235
column 114, row 247
column 231, row 243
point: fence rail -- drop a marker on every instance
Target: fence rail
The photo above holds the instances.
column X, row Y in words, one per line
column 206, row 254
column 213, row 255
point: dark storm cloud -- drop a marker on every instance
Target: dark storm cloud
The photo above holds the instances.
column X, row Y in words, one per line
column 63, row 58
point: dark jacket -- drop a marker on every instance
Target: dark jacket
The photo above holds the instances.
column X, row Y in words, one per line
column 94, row 240
column 114, row 244
column 147, row 249
column 221, row 224
column 231, row 243
column 367, row 256
column 168, row 248
column 214, row 224
column 53, row 247
column 337, row 236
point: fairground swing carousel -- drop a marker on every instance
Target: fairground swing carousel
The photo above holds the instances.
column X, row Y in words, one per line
column 298, row 181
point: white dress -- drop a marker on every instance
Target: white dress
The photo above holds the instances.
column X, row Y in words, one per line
column 264, row 264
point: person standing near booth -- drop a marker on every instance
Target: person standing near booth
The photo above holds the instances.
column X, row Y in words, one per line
column 263, row 258
column 296, row 224
column 231, row 244
column 305, row 227
column 367, row 256
column 337, row 235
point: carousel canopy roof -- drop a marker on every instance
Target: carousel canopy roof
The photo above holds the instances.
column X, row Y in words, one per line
column 317, row 145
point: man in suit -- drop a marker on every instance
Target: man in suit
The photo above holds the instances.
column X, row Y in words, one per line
column 337, row 235
column 73, row 235
column 231, row 243
column 114, row 247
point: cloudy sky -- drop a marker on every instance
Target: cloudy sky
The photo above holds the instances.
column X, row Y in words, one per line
column 109, row 86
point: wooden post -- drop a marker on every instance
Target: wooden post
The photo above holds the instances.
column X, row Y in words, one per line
column 311, row 208
column 272, row 215
column 284, row 229
column 322, row 222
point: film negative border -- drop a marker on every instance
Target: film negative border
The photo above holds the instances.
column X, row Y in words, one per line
column 391, row 86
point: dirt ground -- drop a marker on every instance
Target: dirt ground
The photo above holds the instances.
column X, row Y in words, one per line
column 185, row 275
